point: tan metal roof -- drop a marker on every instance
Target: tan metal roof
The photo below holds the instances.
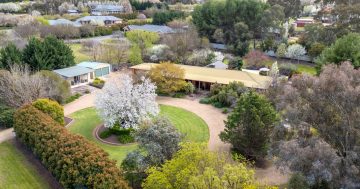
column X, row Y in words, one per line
column 213, row 75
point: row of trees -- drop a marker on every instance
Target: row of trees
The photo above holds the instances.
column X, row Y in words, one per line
column 47, row 54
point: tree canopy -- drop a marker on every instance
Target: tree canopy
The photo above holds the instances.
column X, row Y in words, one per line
column 347, row 48
column 325, row 121
column 9, row 55
column 249, row 126
column 194, row 166
column 47, row 54
column 236, row 21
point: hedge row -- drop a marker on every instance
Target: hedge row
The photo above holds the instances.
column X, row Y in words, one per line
column 51, row 108
column 74, row 162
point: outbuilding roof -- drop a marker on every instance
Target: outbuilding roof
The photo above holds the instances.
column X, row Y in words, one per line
column 221, row 76
column 93, row 65
column 73, row 71
column 151, row 28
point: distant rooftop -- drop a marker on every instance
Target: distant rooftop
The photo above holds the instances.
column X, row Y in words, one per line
column 151, row 28
column 98, row 18
column 218, row 46
column 73, row 71
column 62, row 21
column 213, row 75
column 107, row 7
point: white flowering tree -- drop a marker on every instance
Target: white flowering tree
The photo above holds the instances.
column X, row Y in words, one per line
column 121, row 101
column 274, row 73
column 295, row 51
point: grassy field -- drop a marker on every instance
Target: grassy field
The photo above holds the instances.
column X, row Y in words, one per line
column 194, row 128
column 80, row 56
column 16, row 172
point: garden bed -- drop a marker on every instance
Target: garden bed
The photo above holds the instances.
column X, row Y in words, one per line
column 112, row 139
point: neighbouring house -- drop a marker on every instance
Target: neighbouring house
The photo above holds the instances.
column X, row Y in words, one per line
column 72, row 12
column 99, row 20
column 105, row 9
column 301, row 22
column 218, row 46
column 203, row 77
column 84, row 72
column 151, row 28
column 62, row 21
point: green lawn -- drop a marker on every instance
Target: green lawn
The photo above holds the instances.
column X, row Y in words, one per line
column 16, row 171
column 80, row 56
column 188, row 123
column 306, row 69
column 194, row 128
column 85, row 122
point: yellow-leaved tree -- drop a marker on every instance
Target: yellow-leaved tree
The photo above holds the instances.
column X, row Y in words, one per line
column 168, row 77
column 194, row 166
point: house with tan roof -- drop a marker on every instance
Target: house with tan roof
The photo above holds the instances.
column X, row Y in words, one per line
column 204, row 77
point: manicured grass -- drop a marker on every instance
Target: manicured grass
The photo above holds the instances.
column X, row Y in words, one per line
column 80, row 56
column 86, row 121
column 192, row 126
column 188, row 123
column 16, row 172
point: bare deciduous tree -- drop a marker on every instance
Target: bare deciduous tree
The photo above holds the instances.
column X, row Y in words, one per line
column 182, row 43
column 326, row 108
column 19, row 86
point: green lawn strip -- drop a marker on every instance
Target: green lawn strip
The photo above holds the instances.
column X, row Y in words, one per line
column 188, row 123
column 306, row 69
column 303, row 68
column 79, row 55
column 16, row 172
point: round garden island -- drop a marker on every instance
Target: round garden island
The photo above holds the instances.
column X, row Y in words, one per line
column 189, row 124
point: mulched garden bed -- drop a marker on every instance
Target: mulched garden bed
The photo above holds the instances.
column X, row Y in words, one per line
column 112, row 140
column 67, row 121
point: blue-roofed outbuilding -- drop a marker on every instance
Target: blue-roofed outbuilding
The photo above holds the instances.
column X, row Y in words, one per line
column 84, row 72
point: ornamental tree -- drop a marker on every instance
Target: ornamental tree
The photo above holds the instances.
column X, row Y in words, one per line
column 125, row 103
column 295, row 51
column 169, row 78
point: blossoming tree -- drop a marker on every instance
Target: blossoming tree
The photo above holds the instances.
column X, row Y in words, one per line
column 125, row 103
